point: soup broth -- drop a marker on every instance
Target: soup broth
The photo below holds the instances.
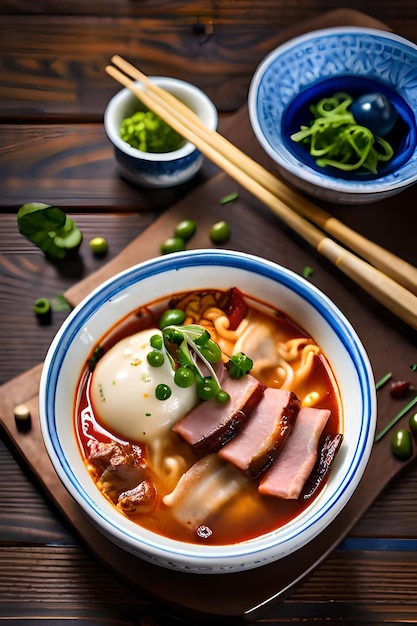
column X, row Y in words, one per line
column 227, row 506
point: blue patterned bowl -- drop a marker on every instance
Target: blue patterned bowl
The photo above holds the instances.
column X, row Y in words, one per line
column 157, row 170
column 154, row 280
column 351, row 59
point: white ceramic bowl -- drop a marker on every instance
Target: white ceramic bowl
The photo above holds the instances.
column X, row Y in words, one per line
column 318, row 64
column 192, row 270
column 157, row 170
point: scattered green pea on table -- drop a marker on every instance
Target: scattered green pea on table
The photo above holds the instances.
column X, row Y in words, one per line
column 172, row 244
column 402, row 444
column 413, row 424
column 220, row 232
column 185, row 229
column 99, row 246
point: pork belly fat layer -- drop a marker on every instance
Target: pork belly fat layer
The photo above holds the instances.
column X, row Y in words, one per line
column 203, row 490
column 288, row 473
column 262, row 438
column 211, row 424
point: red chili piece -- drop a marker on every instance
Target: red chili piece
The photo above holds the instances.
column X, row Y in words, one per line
column 235, row 308
column 400, row 388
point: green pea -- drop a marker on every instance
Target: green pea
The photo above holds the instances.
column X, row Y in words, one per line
column 184, row 377
column 172, row 244
column 156, row 342
column 211, row 351
column 413, row 424
column 402, row 444
column 222, row 396
column 220, row 232
column 162, row 392
column 155, row 358
column 42, row 306
column 207, row 388
column 171, row 317
column 99, row 246
column 185, row 229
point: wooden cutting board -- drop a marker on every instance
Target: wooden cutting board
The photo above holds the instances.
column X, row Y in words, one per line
column 254, row 230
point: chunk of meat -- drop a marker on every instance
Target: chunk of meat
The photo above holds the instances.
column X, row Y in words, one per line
column 203, row 490
column 141, row 499
column 211, row 424
column 287, row 475
column 260, row 441
column 118, row 467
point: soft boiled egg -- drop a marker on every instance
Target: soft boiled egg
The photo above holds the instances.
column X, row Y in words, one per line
column 123, row 388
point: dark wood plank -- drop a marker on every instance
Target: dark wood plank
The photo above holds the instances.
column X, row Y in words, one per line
column 87, row 593
column 27, row 517
column 261, row 14
column 39, row 78
column 365, row 593
column 73, row 167
column 354, row 588
column 71, row 80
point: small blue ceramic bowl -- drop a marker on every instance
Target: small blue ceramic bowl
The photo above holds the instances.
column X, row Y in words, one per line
column 157, row 170
column 319, row 64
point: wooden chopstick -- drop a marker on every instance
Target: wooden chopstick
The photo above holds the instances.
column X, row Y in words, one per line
column 384, row 289
column 395, row 267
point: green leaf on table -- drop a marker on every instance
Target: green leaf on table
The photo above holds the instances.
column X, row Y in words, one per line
column 49, row 228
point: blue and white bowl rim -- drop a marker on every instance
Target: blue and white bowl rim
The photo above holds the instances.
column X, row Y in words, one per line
column 109, row 289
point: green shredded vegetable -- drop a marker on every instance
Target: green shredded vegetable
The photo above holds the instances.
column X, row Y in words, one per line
column 396, row 419
column 381, row 382
column 334, row 138
column 147, row 132
column 231, row 197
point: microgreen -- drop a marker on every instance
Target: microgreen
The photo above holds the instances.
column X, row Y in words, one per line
column 239, row 365
column 191, row 347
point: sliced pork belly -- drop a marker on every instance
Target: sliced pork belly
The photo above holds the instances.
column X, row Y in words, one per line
column 288, row 473
column 203, row 490
column 260, row 441
column 211, row 424
column 327, row 455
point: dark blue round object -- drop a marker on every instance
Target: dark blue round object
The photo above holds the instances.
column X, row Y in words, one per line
column 376, row 112
column 402, row 137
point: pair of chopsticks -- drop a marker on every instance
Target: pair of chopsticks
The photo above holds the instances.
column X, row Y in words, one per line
column 389, row 279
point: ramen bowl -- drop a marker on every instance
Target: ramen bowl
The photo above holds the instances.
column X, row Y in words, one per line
column 157, row 169
column 195, row 270
column 320, row 64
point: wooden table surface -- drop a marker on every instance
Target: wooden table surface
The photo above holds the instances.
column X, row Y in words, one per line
column 53, row 149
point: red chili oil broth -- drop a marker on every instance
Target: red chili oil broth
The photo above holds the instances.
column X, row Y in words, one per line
column 247, row 516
